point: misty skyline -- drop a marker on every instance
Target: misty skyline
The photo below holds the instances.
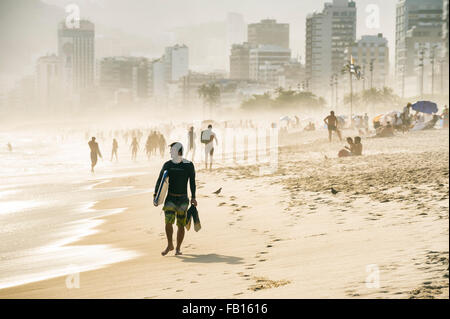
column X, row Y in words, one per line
column 155, row 20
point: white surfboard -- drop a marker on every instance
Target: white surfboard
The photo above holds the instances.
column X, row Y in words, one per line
column 161, row 192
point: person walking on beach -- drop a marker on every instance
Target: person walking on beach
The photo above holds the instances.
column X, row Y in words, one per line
column 148, row 146
column 366, row 123
column 115, row 146
column 161, row 144
column 134, row 148
column 95, row 152
column 180, row 171
column 332, row 123
column 191, row 142
column 208, row 137
column 9, row 147
column 406, row 117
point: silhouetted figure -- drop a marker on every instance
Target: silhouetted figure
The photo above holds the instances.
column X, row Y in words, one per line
column 134, row 148
column 115, row 146
column 148, row 146
column 161, row 144
column 332, row 123
column 95, row 151
column 9, row 147
column 191, row 142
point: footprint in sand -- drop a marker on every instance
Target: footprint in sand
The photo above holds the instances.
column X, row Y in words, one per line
column 194, row 282
column 179, row 290
column 233, row 197
column 221, row 204
column 238, row 293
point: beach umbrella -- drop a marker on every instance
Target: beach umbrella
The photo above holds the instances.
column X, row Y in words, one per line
column 378, row 118
column 425, row 107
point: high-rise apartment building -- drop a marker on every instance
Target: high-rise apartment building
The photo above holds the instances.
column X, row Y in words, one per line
column 48, row 83
column 176, row 61
column 371, row 53
column 328, row 36
column 416, row 21
column 240, row 61
column 269, row 32
column 266, row 61
column 76, row 49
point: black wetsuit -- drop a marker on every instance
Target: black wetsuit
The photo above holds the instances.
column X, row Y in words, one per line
column 179, row 174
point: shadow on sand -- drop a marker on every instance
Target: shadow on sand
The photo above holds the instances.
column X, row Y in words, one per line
column 210, row 258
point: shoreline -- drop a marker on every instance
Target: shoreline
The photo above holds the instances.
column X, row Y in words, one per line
column 285, row 235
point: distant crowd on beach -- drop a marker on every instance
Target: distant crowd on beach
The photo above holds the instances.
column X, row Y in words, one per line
column 384, row 125
column 157, row 138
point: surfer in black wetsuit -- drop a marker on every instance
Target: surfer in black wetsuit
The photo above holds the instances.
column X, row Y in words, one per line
column 176, row 204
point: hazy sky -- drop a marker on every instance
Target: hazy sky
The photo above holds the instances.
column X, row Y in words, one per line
column 153, row 18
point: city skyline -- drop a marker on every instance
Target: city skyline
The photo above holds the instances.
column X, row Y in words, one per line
column 146, row 21
column 251, row 56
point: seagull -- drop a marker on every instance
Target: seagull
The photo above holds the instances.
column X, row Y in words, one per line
column 217, row 192
column 333, row 191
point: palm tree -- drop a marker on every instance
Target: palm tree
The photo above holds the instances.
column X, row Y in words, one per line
column 210, row 93
column 351, row 69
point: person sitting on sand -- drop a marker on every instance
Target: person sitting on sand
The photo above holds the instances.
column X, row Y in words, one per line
column 348, row 150
column 357, row 147
column 176, row 203
column 431, row 123
column 397, row 123
column 385, row 131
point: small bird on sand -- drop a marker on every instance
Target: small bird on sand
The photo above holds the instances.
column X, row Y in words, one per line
column 217, row 192
column 333, row 191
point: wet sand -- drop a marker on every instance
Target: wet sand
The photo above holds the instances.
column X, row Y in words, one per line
column 284, row 234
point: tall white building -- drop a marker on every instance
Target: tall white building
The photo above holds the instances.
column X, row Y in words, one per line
column 76, row 49
column 176, row 60
column 371, row 53
column 328, row 36
column 159, row 85
column 48, row 82
column 266, row 61
column 416, row 21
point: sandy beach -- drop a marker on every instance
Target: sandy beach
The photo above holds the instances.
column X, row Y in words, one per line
column 284, row 234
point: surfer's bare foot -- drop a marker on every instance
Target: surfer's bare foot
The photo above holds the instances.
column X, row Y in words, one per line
column 165, row 252
column 178, row 252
